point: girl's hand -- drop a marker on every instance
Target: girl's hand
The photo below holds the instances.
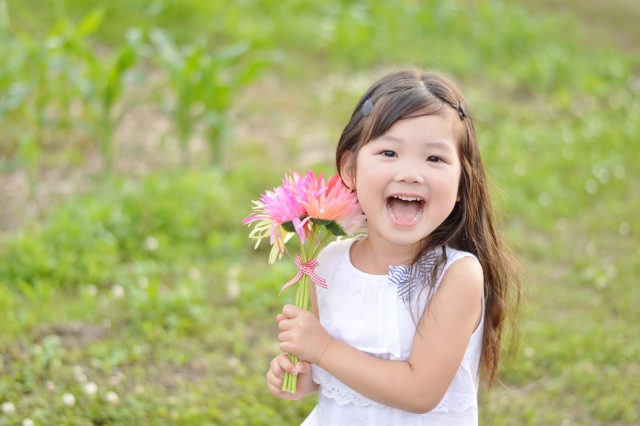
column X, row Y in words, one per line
column 302, row 334
column 304, row 385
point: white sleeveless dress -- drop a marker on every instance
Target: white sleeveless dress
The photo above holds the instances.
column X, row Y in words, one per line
column 369, row 312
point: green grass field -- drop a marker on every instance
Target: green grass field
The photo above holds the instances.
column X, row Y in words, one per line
column 133, row 286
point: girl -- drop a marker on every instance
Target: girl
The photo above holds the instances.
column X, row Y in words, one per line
column 414, row 309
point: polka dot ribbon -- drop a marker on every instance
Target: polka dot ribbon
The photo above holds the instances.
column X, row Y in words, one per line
column 306, row 269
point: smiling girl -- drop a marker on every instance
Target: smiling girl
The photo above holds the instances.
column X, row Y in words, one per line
column 414, row 310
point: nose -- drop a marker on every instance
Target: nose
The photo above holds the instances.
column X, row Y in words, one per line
column 410, row 173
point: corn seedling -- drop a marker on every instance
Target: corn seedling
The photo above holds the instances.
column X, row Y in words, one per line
column 203, row 87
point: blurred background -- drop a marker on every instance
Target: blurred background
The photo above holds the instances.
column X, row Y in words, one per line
column 133, row 135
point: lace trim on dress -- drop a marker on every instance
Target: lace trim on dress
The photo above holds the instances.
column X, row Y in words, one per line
column 338, row 391
column 457, row 397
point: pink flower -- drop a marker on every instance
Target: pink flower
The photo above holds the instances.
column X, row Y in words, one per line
column 332, row 201
column 276, row 208
column 299, row 202
column 279, row 206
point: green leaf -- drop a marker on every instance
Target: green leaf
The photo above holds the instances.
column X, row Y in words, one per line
column 90, row 24
column 250, row 72
column 167, row 53
column 336, row 229
column 232, row 52
column 13, row 97
column 288, row 226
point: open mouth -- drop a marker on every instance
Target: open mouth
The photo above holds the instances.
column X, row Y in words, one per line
column 405, row 208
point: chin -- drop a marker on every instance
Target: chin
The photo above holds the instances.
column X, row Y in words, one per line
column 408, row 240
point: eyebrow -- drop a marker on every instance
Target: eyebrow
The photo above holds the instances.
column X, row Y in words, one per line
column 435, row 144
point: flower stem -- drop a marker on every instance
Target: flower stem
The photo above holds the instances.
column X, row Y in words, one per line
column 302, row 300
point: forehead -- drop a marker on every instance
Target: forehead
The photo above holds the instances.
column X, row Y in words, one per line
column 429, row 130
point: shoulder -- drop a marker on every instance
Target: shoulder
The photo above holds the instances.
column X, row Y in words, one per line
column 463, row 277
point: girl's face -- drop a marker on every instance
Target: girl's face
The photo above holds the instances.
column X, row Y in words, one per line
column 407, row 179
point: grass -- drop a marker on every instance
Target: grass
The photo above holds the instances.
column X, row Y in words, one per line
column 149, row 288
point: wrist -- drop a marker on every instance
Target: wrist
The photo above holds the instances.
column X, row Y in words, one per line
column 322, row 353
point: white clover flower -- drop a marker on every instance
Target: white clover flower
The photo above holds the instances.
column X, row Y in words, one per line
column 143, row 282
column 81, row 378
column 194, row 273
column 51, row 387
column 90, row 389
column 233, row 289
column 117, row 291
column 92, row 290
column 111, row 397
column 8, row 408
column 139, row 389
column 151, row 243
column 36, row 349
column 68, row 400
column 233, row 362
column 28, row 422
column 234, row 271
column 77, row 370
column 116, row 379
column 624, row 228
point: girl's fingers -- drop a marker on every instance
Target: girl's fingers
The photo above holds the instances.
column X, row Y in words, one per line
column 286, row 365
column 275, row 368
column 291, row 311
column 278, row 366
column 285, row 336
column 303, row 367
column 274, row 380
column 285, row 324
column 275, row 390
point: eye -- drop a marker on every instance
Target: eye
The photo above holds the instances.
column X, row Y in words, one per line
column 434, row 159
column 388, row 154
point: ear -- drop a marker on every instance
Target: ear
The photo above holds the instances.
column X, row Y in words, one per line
column 458, row 198
column 346, row 170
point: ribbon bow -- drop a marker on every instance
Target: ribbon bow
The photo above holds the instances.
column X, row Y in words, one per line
column 306, row 269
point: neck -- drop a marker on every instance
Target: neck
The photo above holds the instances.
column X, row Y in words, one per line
column 374, row 255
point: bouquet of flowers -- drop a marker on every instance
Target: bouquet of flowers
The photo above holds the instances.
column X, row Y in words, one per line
column 314, row 211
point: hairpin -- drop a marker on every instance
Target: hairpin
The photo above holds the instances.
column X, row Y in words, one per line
column 367, row 107
column 462, row 112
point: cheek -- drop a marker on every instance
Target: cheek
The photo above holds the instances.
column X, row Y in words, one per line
column 447, row 187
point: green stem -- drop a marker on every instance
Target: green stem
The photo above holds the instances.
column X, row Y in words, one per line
column 302, row 299
column 285, row 383
column 322, row 244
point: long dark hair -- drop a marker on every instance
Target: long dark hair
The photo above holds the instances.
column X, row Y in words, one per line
column 471, row 225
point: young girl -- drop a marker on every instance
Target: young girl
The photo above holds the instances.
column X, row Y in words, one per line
column 414, row 309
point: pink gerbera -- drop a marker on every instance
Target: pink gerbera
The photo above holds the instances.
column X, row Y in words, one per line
column 332, row 201
column 276, row 208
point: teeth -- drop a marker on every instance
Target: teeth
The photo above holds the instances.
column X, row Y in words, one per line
column 390, row 210
column 417, row 216
column 402, row 197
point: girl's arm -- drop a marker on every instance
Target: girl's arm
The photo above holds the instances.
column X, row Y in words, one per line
column 419, row 384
